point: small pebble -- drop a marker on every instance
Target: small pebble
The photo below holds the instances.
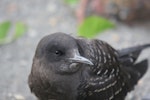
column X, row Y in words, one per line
column 51, row 8
column 53, row 21
column 19, row 97
column 116, row 37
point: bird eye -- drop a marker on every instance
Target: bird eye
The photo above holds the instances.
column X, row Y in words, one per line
column 59, row 53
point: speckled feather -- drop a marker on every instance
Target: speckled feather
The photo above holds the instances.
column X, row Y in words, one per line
column 106, row 80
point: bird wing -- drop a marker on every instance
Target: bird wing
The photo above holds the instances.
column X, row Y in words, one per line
column 128, row 56
column 134, row 69
column 106, row 80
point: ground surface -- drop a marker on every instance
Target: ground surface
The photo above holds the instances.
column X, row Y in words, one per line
column 47, row 16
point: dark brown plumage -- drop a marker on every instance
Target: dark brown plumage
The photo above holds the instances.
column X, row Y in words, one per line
column 65, row 68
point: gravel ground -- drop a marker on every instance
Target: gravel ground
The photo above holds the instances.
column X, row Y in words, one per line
column 48, row 16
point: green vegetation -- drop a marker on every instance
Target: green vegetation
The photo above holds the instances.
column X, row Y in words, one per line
column 20, row 29
column 71, row 2
column 6, row 36
column 4, row 28
column 94, row 25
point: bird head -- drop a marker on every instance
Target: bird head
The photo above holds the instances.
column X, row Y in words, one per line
column 60, row 53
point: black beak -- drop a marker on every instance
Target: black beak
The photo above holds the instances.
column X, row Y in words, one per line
column 80, row 59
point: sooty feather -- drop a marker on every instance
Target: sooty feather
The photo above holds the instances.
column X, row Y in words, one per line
column 68, row 68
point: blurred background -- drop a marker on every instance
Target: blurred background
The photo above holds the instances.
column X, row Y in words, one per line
column 121, row 23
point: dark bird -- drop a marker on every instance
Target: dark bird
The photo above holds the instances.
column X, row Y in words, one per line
column 68, row 68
